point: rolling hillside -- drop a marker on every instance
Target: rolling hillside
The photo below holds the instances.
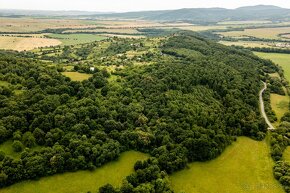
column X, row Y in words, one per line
column 209, row 15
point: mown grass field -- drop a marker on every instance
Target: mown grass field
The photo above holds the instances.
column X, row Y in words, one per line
column 76, row 76
column 244, row 167
column 73, row 39
column 81, row 181
column 270, row 33
column 26, row 43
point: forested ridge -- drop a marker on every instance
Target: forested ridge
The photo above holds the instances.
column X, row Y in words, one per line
column 189, row 105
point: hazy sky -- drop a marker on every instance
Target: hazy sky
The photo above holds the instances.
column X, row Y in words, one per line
column 131, row 5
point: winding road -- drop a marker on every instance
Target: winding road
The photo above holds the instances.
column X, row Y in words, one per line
column 270, row 126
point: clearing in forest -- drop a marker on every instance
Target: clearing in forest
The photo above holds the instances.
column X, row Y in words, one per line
column 76, row 76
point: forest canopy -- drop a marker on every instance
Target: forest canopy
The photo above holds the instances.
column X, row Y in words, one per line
column 194, row 99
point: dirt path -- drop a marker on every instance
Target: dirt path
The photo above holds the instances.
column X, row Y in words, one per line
column 262, row 107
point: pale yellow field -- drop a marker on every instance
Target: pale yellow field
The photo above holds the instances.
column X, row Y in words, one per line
column 76, row 76
column 109, row 30
column 202, row 28
column 286, row 36
column 275, row 75
column 247, row 44
column 22, row 43
column 243, row 22
column 271, row 33
column 138, row 24
column 122, row 36
column 31, row 24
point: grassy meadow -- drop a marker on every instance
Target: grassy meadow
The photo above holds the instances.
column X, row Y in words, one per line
column 73, row 39
column 76, row 76
column 81, row 181
column 244, row 167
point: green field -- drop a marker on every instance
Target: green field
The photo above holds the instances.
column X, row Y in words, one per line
column 81, row 181
column 282, row 60
column 244, row 167
column 4, row 83
column 279, row 104
column 6, row 147
column 73, row 39
column 286, row 154
column 76, row 76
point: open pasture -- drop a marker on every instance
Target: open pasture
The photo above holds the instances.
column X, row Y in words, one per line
column 244, row 167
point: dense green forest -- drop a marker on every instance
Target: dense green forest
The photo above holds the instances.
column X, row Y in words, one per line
column 189, row 104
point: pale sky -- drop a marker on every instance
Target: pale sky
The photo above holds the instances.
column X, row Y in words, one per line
column 131, row 5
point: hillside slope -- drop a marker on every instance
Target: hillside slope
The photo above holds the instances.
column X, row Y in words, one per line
column 210, row 15
column 188, row 105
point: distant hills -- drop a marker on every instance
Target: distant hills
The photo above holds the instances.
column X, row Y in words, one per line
column 210, row 15
column 193, row 15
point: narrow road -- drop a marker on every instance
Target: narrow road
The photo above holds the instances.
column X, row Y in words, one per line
column 270, row 126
